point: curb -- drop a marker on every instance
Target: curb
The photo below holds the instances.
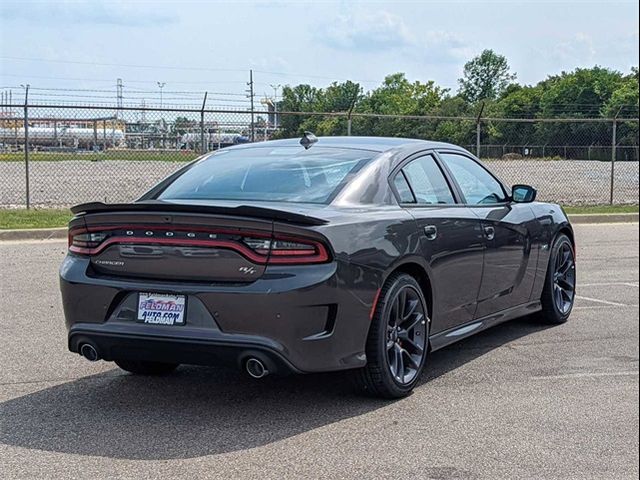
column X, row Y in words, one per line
column 61, row 233
column 583, row 218
column 34, row 234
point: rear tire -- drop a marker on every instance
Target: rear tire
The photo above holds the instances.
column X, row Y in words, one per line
column 558, row 295
column 140, row 367
column 397, row 344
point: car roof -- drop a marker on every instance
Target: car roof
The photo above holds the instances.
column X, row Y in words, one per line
column 376, row 144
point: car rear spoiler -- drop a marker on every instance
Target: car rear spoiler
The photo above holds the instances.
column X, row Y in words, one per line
column 240, row 211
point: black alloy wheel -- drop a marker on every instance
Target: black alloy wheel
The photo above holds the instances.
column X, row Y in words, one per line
column 564, row 279
column 397, row 345
column 559, row 292
column 406, row 335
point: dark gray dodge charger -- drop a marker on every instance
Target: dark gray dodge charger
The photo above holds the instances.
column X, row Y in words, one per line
column 314, row 254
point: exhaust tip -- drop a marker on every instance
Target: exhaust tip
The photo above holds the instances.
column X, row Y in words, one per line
column 89, row 352
column 255, row 368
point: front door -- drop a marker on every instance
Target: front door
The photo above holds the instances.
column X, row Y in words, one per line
column 509, row 265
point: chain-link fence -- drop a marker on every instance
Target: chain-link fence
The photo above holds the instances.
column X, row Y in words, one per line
column 62, row 155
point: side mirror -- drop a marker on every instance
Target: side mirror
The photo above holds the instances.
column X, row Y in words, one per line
column 523, row 194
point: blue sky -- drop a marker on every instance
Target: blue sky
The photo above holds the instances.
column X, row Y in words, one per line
column 211, row 45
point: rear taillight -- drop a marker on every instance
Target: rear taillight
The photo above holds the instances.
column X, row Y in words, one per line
column 258, row 247
column 281, row 250
column 83, row 241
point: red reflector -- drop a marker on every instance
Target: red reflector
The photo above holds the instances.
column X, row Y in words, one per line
column 375, row 304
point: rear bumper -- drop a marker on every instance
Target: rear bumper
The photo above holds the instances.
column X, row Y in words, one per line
column 298, row 319
column 135, row 342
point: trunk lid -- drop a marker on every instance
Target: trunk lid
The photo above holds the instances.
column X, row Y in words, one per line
column 170, row 242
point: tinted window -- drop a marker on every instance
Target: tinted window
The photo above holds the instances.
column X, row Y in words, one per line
column 477, row 184
column 427, row 181
column 286, row 174
column 403, row 189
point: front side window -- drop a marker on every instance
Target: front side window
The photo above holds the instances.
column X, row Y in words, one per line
column 427, row 182
column 478, row 186
column 283, row 174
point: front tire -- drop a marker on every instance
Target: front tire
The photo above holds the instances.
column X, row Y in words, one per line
column 559, row 291
column 397, row 344
column 140, row 367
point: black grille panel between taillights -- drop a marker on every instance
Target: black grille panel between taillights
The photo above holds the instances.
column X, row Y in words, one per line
column 256, row 246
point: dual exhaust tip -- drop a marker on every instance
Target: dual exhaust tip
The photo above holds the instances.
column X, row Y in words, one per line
column 89, row 352
column 254, row 367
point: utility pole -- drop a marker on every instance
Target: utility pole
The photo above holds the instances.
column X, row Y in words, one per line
column 250, row 92
column 203, row 149
column 350, row 112
column 119, row 94
column 479, row 130
column 161, row 86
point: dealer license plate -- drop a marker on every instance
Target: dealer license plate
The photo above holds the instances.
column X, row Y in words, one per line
column 161, row 308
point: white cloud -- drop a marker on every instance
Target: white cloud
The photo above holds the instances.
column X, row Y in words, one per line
column 578, row 49
column 382, row 31
column 366, row 32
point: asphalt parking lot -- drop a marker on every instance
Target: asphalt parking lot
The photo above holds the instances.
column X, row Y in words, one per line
column 519, row 401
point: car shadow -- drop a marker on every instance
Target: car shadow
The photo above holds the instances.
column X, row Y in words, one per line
column 203, row 411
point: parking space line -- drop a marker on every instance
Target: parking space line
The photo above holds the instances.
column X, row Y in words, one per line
column 609, row 284
column 606, row 302
column 587, row 375
column 593, row 307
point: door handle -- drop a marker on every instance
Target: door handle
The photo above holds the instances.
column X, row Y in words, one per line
column 490, row 232
column 431, row 232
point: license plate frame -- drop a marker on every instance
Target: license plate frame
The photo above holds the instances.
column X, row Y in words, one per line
column 166, row 309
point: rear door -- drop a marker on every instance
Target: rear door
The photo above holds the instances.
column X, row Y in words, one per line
column 509, row 263
column 451, row 239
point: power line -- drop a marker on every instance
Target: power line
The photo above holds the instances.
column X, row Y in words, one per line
column 98, row 80
column 176, row 67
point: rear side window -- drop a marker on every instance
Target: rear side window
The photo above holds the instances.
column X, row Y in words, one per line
column 427, row 182
column 283, row 174
column 403, row 189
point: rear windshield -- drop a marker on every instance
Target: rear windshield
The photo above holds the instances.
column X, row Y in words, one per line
column 283, row 174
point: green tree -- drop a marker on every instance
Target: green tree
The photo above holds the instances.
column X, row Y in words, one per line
column 181, row 125
column 624, row 104
column 624, row 99
column 458, row 131
column 301, row 98
column 515, row 102
column 337, row 97
column 398, row 96
column 582, row 93
column 485, row 77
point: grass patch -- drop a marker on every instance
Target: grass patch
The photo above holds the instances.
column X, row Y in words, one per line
column 601, row 209
column 130, row 155
column 34, row 218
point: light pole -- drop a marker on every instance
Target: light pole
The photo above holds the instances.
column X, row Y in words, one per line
column 161, row 86
column 275, row 104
